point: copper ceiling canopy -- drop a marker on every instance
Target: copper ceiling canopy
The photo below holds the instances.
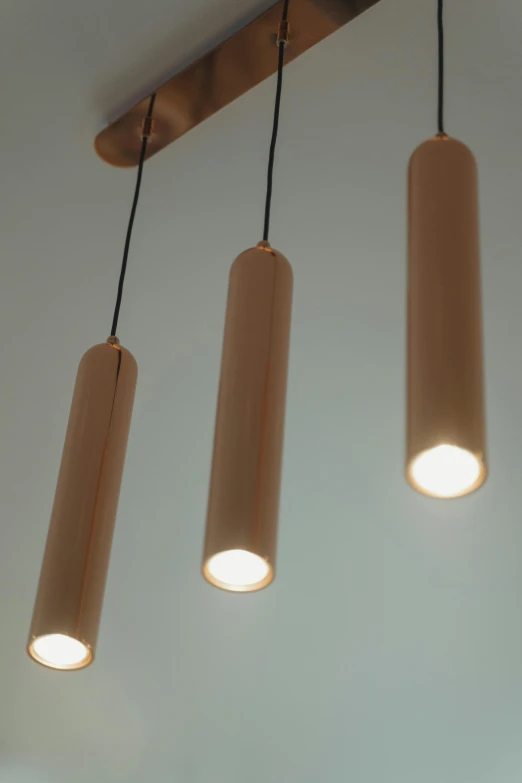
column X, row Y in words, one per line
column 222, row 75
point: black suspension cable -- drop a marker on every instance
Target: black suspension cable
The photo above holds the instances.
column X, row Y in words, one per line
column 144, row 140
column 282, row 41
column 440, row 30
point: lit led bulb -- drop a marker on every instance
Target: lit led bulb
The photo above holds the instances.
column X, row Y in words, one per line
column 60, row 652
column 446, row 471
column 237, row 570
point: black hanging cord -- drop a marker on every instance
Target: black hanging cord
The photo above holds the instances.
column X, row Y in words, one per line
column 280, row 62
column 440, row 30
column 144, row 140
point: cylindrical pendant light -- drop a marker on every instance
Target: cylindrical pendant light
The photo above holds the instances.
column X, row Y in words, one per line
column 68, row 606
column 240, row 544
column 69, row 601
column 445, row 454
column 243, row 507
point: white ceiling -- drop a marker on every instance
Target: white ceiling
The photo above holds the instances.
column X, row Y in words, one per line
column 390, row 646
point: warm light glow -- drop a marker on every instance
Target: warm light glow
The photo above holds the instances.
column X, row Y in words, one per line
column 445, row 471
column 60, row 652
column 237, row 569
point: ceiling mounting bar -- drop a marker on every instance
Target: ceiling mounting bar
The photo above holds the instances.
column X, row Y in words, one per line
column 222, row 75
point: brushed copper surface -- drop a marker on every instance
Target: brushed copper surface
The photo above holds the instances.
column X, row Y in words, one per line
column 245, row 481
column 445, row 366
column 222, row 75
column 72, row 581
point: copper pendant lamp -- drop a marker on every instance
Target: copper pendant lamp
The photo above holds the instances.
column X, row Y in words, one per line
column 69, row 601
column 242, row 518
column 446, row 449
